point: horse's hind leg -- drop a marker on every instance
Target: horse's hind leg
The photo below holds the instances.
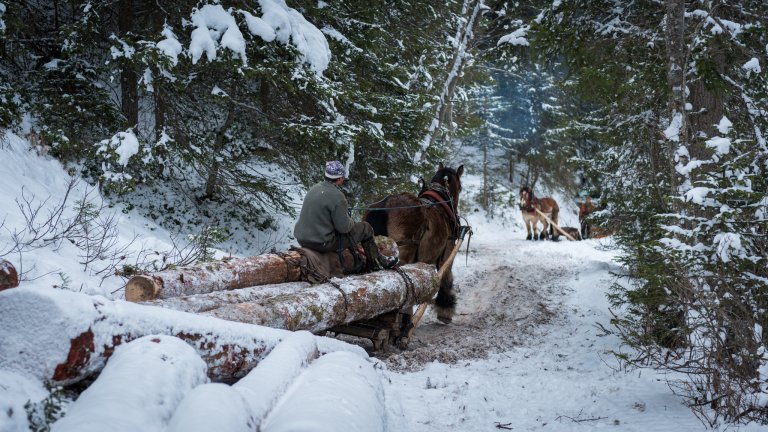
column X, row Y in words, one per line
column 445, row 302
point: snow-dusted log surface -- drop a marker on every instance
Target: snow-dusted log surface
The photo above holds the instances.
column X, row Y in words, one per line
column 212, row 407
column 149, row 375
column 215, row 276
column 63, row 337
column 301, row 306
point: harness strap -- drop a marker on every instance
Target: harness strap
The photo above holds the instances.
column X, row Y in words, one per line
column 433, row 195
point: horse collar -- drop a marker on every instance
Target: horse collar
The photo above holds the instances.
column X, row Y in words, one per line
column 437, row 193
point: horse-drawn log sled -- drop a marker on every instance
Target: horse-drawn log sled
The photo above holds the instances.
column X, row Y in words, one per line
column 68, row 336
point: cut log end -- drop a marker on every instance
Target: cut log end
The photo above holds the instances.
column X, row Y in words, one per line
column 8, row 276
column 141, row 288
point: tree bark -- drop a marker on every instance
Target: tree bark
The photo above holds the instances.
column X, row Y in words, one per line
column 129, row 82
column 63, row 337
column 301, row 306
column 226, row 275
column 8, row 276
column 233, row 274
column 676, row 51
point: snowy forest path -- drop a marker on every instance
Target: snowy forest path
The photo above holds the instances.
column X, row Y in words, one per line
column 507, row 290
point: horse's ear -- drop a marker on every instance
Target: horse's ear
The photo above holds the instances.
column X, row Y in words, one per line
column 440, row 166
column 460, row 171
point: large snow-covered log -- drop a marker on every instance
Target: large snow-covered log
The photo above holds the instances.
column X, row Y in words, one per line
column 337, row 392
column 8, row 276
column 248, row 401
column 301, row 306
column 63, row 336
column 144, row 381
column 220, row 275
column 242, row 272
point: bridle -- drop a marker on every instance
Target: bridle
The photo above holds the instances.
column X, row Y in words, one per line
column 528, row 201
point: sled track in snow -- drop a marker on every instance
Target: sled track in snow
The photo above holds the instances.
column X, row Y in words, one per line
column 497, row 310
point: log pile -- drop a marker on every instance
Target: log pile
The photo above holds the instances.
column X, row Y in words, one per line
column 302, row 306
column 63, row 337
column 230, row 274
column 293, row 388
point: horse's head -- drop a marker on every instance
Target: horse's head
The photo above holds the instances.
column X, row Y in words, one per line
column 450, row 179
column 526, row 196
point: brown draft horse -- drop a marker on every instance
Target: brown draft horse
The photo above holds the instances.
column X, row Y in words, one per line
column 425, row 228
column 528, row 206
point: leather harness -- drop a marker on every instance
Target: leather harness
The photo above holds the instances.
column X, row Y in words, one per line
column 436, row 193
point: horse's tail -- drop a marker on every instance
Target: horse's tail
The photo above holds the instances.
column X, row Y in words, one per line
column 555, row 211
column 378, row 217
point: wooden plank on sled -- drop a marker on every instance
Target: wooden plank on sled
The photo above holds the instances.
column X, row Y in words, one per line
column 555, row 225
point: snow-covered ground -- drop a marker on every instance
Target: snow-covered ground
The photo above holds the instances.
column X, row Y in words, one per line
column 524, row 352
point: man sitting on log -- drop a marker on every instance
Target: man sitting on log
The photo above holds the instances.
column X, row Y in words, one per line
column 324, row 223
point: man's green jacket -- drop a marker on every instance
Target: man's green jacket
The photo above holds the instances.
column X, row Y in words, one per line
column 323, row 213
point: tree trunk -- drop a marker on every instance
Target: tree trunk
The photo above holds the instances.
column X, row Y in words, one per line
column 8, row 276
column 486, row 200
column 129, row 83
column 219, row 276
column 301, row 306
column 444, row 111
column 676, row 49
column 266, row 398
column 213, row 180
column 64, row 337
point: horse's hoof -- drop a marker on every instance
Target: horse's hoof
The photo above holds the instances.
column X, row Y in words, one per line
column 445, row 320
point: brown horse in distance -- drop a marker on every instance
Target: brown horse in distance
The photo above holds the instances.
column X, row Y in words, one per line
column 425, row 228
column 528, row 206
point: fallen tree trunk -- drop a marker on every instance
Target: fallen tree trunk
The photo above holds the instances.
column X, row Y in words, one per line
column 245, row 405
column 232, row 274
column 8, row 276
column 223, row 275
column 142, row 372
column 301, row 306
column 63, row 336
